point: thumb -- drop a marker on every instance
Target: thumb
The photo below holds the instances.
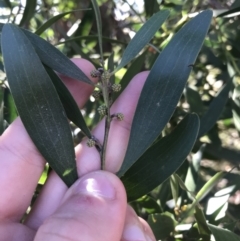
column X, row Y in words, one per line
column 92, row 209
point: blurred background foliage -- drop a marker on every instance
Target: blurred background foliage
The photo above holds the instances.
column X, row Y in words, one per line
column 216, row 154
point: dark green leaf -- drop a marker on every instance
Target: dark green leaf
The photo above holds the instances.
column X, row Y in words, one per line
column 68, row 102
column 149, row 204
column 151, row 7
column 56, row 60
column 28, row 11
column 111, row 66
column 38, row 103
column 92, row 37
column 215, row 109
column 231, row 12
column 202, row 224
column 99, row 26
column 142, row 37
column 164, row 86
column 52, row 20
column 133, row 69
column 10, row 112
column 221, row 234
column 162, row 159
column 194, row 101
column 174, row 188
column 162, row 224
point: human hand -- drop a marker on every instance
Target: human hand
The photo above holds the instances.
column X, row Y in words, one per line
column 95, row 206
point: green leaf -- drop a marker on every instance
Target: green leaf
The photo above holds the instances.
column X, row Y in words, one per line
column 99, row 26
column 221, row 234
column 142, row 37
column 151, row 7
column 215, row 109
column 133, row 69
column 111, row 66
column 38, row 103
column 28, row 11
column 149, row 204
column 233, row 12
column 68, row 102
column 202, row 224
column 194, row 100
column 162, row 159
column 52, row 20
column 56, row 60
column 10, row 112
column 174, row 188
column 92, row 37
column 162, row 224
column 164, row 86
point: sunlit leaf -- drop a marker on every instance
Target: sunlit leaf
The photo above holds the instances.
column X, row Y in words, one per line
column 38, row 104
column 164, row 86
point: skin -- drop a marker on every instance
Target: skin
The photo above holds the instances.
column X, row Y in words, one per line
column 95, row 206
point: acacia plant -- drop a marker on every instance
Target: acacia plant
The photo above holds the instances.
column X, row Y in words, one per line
column 46, row 106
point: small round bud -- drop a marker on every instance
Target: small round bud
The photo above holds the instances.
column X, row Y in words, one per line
column 96, row 94
column 91, row 143
column 120, row 116
column 116, row 87
column 95, row 73
column 102, row 110
column 106, row 75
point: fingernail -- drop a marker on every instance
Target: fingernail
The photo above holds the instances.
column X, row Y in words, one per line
column 97, row 186
column 133, row 233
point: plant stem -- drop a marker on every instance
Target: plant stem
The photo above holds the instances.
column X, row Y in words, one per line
column 107, row 100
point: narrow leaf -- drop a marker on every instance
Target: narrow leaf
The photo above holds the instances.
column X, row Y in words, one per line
column 99, row 26
column 68, row 102
column 162, row 159
column 142, row 37
column 215, row 109
column 221, row 234
column 52, row 20
column 230, row 13
column 162, row 225
column 202, row 224
column 38, row 103
column 10, row 112
column 28, row 11
column 164, row 86
column 56, row 60
column 194, row 100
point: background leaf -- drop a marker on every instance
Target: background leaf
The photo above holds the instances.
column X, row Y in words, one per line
column 38, row 103
column 162, row 159
column 29, row 11
column 99, row 26
column 215, row 109
column 164, row 87
column 221, row 234
column 142, row 37
column 52, row 20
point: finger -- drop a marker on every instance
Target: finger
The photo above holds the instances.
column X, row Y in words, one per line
column 21, row 163
column 135, row 229
column 88, row 158
column 92, row 209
